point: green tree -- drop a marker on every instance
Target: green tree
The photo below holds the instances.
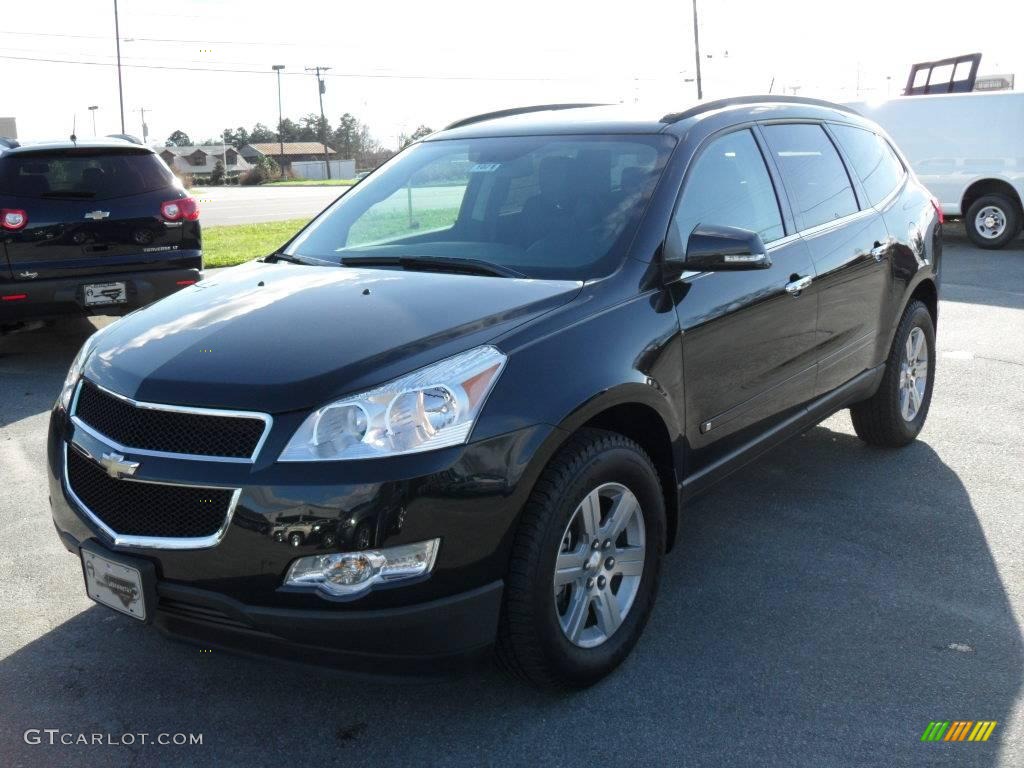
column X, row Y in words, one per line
column 314, row 128
column 261, row 134
column 217, row 175
column 178, row 139
column 405, row 140
column 288, row 131
column 237, row 138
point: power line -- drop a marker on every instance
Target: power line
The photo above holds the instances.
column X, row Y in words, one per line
column 349, row 75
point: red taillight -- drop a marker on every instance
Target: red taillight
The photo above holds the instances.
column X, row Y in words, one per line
column 185, row 282
column 13, row 218
column 185, row 209
column 14, row 297
column 938, row 210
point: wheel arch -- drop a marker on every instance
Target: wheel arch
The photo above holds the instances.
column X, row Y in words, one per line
column 927, row 293
column 642, row 414
column 989, row 186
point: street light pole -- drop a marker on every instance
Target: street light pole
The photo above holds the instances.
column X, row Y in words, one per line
column 323, row 119
column 93, row 110
column 696, row 52
column 280, row 118
column 120, row 85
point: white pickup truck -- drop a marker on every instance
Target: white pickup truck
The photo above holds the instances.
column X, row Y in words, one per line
column 968, row 150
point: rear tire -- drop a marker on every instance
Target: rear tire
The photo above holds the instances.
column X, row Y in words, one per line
column 615, row 581
column 992, row 221
column 896, row 413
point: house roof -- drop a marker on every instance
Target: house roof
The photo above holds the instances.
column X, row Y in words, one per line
column 211, row 154
column 210, row 149
column 273, row 148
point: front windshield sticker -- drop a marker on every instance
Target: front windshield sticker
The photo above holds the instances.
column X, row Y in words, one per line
column 485, row 168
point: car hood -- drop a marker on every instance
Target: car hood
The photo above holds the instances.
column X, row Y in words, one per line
column 282, row 337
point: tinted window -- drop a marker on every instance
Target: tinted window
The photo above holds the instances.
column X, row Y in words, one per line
column 86, row 174
column 562, row 207
column 729, row 185
column 815, row 177
column 872, row 159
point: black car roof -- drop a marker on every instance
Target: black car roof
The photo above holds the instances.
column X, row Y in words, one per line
column 57, row 145
column 617, row 118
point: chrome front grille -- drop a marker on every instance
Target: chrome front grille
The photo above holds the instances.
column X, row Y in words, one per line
column 169, row 430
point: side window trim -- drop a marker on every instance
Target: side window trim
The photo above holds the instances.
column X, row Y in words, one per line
column 782, row 203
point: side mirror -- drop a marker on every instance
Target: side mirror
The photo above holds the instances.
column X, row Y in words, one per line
column 714, row 248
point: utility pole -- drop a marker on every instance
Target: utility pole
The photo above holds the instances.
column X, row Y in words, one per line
column 93, row 110
column 696, row 52
column 280, row 119
column 145, row 128
column 323, row 120
column 120, row 85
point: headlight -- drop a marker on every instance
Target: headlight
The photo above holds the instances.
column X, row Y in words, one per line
column 75, row 372
column 348, row 574
column 434, row 407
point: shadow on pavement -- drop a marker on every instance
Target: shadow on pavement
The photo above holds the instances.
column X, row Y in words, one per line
column 820, row 609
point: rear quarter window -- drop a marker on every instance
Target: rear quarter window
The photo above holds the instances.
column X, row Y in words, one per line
column 880, row 171
column 84, row 174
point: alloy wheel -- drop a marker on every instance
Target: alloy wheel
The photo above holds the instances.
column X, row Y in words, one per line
column 600, row 564
column 913, row 374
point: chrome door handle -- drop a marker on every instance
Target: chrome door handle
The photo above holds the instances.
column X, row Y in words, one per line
column 796, row 286
column 881, row 249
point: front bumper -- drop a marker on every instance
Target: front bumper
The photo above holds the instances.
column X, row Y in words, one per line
column 65, row 296
column 230, row 595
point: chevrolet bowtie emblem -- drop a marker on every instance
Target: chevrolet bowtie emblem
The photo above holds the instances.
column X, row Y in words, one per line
column 117, row 467
column 97, row 215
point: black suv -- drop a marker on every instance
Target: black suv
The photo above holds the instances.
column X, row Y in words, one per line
column 91, row 226
column 500, row 366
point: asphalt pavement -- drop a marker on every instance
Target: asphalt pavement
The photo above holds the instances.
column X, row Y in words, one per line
column 822, row 606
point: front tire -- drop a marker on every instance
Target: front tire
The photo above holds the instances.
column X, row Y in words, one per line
column 896, row 413
column 992, row 221
column 585, row 563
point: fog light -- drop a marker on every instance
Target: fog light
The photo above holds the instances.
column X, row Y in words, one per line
column 349, row 574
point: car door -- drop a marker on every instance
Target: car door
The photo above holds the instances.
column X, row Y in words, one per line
column 748, row 336
column 849, row 244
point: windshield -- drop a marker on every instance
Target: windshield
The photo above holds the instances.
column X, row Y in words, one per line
column 555, row 207
column 95, row 174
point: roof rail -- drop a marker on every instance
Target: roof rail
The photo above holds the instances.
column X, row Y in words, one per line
column 8, row 143
column 125, row 137
column 517, row 111
column 707, row 106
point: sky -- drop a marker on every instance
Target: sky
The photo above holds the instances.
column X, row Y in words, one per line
column 204, row 65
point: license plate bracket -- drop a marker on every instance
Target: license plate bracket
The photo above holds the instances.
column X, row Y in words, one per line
column 101, row 294
column 125, row 584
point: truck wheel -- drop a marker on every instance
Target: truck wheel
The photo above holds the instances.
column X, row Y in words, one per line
column 992, row 221
column 895, row 414
column 585, row 563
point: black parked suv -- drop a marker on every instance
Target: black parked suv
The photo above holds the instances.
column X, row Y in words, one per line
column 500, row 365
column 91, row 226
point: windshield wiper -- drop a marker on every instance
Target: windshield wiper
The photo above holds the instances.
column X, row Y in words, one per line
column 276, row 257
column 435, row 263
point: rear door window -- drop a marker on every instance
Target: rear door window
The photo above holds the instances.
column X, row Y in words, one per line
column 83, row 174
column 872, row 159
column 730, row 186
column 814, row 175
